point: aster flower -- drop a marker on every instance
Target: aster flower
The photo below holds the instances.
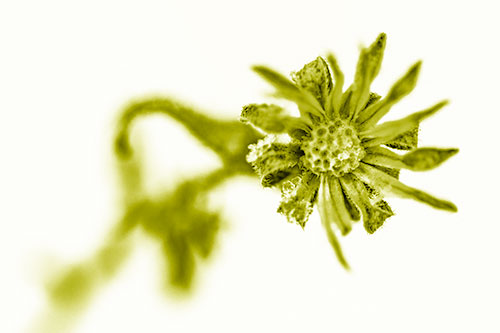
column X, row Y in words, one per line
column 336, row 155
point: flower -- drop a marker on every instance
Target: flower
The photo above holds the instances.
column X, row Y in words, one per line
column 333, row 154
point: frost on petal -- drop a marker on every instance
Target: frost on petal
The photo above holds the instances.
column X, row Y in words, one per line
column 297, row 198
column 315, row 78
column 274, row 161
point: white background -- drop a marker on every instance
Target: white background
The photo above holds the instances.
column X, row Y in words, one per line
column 66, row 70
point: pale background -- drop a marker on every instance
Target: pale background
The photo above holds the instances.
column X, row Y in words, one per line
column 68, row 67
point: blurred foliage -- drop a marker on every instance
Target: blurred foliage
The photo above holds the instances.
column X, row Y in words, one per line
column 179, row 220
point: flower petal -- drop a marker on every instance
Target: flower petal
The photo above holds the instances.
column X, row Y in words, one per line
column 374, row 215
column 389, row 130
column 315, row 78
column 287, row 89
column 400, row 89
column 390, row 171
column 367, row 69
column 336, row 93
column 383, row 157
column 381, row 180
column 423, row 159
column 328, row 215
column 351, row 207
column 405, row 141
column 271, row 118
column 343, row 220
column 345, row 103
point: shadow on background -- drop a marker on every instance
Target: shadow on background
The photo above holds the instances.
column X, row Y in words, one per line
column 180, row 220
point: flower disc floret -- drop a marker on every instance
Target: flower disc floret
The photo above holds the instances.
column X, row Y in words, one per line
column 333, row 147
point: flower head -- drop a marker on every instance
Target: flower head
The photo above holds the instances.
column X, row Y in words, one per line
column 333, row 154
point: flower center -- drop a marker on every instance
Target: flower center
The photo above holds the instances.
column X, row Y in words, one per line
column 334, row 147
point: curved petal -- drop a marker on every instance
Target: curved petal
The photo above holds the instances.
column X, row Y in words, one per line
column 381, row 180
column 374, row 215
column 400, row 89
column 421, row 159
column 332, row 108
column 367, row 69
column 343, row 220
column 328, row 215
column 389, row 130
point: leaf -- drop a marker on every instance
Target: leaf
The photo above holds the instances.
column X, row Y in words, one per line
column 381, row 180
